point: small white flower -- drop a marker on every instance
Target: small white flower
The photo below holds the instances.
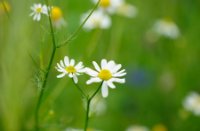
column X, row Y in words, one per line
column 127, row 10
column 192, row 103
column 137, row 128
column 108, row 73
column 97, row 20
column 109, row 6
column 38, row 9
column 166, row 28
column 69, row 68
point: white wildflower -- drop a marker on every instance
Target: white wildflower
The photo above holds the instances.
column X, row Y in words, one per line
column 38, row 9
column 108, row 73
column 69, row 68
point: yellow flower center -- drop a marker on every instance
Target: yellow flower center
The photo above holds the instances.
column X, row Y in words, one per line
column 70, row 69
column 105, row 74
column 39, row 10
column 56, row 13
column 104, row 3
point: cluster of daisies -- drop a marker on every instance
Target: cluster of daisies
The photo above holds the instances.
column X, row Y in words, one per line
column 107, row 73
column 55, row 12
column 101, row 18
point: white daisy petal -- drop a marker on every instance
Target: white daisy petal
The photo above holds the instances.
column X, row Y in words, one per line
column 110, row 65
column 66, row 60
column 93, row 80
column 81, row 70
column 75, row 79
column 58, row 65
column 96, row 66
column 104, row 90
column 62, row 64
column 103, row 63
column 116, row 68
column 72, row 62
column 79, row 65
column 110, row 84
column 61, row 75
column 60, row 70
column 118, row 80
column 119, row 74
column 70, row 75
column 91, row 72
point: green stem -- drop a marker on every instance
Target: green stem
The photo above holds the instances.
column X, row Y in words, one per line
column 80, row 89
column 87, row 114
column 47, row 72
column 75, row 33
column 88, row 106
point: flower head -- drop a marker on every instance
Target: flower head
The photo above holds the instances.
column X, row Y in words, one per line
column 192, row 103
column 97, row 20
column 167, row 28
column 69, row 68
column 107, row 73
column 127, row 10
column 109, row 6
column 57, row 17
column 38, row 9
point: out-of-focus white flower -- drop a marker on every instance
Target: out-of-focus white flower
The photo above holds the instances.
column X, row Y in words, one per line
column 69, row 68
column 97, row 106
column 127, row 10
column 38, row 9
column 57, row 17
column 166, row 28
column 109, row 6
column 97, row 20
column 192, row 103
column 137, row 128
column 108, row 73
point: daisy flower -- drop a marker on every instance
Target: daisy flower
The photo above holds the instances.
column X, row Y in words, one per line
column 107, row 73
column 192, row 103
column 57, row 17
column 109, row 6
column 167, row 28
column 68, row 67
column 38, row 9
column 127, row 10
column 97, row 20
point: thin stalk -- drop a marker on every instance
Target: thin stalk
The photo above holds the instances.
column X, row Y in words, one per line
column 75, row 33
column 80, row 89
column 87, row 114
column 88, row 106
column 46, row 73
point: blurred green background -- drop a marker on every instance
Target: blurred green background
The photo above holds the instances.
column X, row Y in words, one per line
column 159, row 75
